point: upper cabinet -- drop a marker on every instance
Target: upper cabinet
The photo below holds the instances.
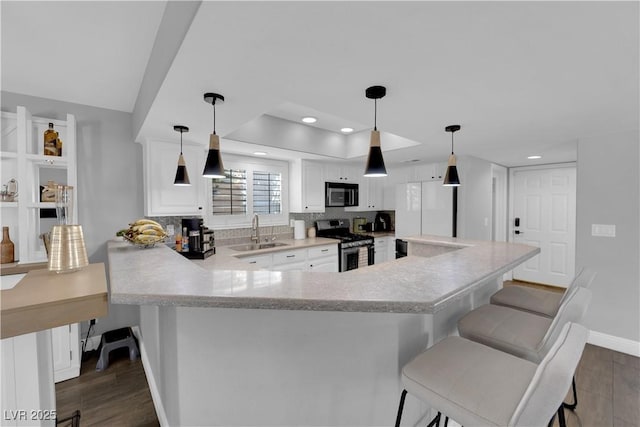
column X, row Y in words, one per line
column 23, row 160
column 334, row 172
column 162, row 198
column 306, row 186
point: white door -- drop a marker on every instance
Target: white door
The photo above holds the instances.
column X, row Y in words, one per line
column 544, row 215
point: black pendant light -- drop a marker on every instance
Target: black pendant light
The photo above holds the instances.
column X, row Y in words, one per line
column 451, row 178
column 213, row 168
column 182, row 177
column 375, row 162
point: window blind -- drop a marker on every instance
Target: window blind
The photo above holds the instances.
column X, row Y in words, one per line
column 230, row 193
column 267, row 193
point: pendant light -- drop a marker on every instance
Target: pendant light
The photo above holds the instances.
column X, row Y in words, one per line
column 182, row 177
column 375, row 162
column 213, row 167
column 451, row 178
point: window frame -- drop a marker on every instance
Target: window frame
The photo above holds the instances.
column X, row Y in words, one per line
column 250, row 164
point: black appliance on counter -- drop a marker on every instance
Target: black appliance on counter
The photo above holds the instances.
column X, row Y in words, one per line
column 201, row 241
column 350, row 243
column 340, row 194
column 382, row 222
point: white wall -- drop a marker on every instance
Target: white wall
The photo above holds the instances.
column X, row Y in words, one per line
column 608, row 193
column 110, row 192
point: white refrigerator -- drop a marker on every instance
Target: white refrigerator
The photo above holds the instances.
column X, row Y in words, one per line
column 424, row 208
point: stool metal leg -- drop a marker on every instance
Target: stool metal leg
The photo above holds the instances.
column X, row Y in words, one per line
column 572, row 406
column 435, row 421
column 399, row 416
column 561, row 419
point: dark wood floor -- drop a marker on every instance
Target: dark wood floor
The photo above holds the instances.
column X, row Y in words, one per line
column 608, row 385
column 117, row 396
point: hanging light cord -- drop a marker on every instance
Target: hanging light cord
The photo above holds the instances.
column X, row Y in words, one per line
column 375, row 114
column 214, row 116
column 181, row 142
column 451, row 142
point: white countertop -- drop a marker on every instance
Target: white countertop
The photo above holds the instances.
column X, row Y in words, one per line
column 160, row 276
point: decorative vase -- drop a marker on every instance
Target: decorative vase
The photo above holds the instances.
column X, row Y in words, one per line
column 7, row 252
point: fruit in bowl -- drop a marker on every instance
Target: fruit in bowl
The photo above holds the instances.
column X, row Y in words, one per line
column 144, row 232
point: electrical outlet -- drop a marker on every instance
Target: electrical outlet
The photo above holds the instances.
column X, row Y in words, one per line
column 170, row 229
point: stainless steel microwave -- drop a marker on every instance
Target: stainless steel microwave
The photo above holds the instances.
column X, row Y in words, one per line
column 339, row 194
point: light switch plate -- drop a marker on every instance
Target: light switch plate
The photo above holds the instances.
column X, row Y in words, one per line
column 603, row 230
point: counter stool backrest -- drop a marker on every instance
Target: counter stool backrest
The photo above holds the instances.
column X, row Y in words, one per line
column 552, row 378
column 571, row 310
column 583, row 279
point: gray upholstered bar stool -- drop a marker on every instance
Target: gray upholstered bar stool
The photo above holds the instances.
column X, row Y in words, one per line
column 521, row 333
column 540, row 301
column 477, row 385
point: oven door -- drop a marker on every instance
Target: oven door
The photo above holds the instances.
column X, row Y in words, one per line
column 349, row 259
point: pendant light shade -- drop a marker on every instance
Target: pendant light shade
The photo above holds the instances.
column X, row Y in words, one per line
column 375, row 162
column 182, row 176
column 451, row 179
column 213, row 167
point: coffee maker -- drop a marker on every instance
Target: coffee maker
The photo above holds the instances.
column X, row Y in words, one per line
column 201, row 241
column 383, row 222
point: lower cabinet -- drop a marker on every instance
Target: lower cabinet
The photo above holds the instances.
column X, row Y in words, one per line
column 65, row 343
column 381, row 245
column 317, row 258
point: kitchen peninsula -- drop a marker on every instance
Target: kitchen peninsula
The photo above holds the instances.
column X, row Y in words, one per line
column 227, row 344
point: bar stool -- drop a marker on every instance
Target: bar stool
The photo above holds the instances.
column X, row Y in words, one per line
column 540, row 301
column 521, row 333
column 477, row 385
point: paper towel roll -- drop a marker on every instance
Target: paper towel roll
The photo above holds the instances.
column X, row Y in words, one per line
column 299, row 231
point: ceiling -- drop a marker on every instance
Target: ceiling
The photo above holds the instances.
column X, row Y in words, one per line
column 521, row 78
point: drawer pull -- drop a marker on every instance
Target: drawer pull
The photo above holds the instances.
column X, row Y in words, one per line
column 253, row 262
column 291, row 256
column 324, row 250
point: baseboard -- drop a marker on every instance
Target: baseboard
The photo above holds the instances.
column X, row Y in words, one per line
column 623, row 345
column 153, row 387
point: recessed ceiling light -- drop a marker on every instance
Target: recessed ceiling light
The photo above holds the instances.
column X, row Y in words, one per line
column 309, row 119
column 534, row 157
column 259, row 153
column 346, row 130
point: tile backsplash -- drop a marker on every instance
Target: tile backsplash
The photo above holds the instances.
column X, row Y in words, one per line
column 243, row 235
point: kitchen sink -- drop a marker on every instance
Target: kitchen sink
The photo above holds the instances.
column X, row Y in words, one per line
column 256, row 246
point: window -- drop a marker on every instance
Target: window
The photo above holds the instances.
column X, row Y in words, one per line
column 250, row 186
column 229, row 194
column 267, row 192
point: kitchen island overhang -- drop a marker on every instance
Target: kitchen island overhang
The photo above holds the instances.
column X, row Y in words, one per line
column 225, row 344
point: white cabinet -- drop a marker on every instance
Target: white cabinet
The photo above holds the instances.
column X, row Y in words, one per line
column 431, row 172
column 22, row 158
column 162, row 198
column 381, row 245
column 260, row 261
column 370, row 195
column 66, row 352
column 316, row 258
column 323, row 258
column 289, row 257
column 424, row 208
column 306, row 186
column 335, row 172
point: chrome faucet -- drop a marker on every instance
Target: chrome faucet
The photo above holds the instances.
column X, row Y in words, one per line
column 255, row 229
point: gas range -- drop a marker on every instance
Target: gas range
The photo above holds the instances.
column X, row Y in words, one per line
column 340, row 229
column 356, row 250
